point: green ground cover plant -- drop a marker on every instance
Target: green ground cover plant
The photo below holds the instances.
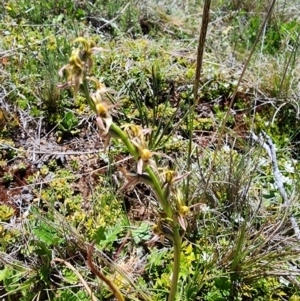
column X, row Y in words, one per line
column 141, row 162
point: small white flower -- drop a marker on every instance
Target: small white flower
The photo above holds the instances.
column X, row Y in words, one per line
column 238, row 219
column 104, row 157
column 284, row 281
column 177, row 138
column 288, row 167
column 226, row 148
column 207, row 257
column 204, row 208
column 286, row 180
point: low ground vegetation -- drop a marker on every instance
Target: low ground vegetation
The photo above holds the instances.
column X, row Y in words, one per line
column 116, row 183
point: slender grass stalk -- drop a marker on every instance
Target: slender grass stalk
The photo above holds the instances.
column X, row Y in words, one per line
column 201, row 44
column 239, row 246
column 290, row 62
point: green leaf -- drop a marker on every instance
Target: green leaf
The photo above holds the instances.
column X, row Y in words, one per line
column 215, row 296
column 68, row 118
column 69, row 122
column 42, row 249
column 99, row 235
column 46, row 234
column 4, row 274
column 68, row 295
column 70, row 277
column 79, row 13
column 142, row 232
column 44, row 273
column 112, row 234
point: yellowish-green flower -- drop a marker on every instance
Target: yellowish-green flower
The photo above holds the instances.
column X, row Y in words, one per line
column 171, row 178
column 80, row 63
column 74, row 70
column 103, row 118
column 144, row 153
column 102, row 105
column 182, row 210
column 100, row 95
column 135, row 131
column 89, row 48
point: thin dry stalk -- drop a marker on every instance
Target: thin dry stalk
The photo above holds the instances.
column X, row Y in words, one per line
column 89, row 291
column 201, row 45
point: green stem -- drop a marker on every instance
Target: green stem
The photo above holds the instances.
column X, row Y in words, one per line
column 159, row 192
column 122, row 135
column 85, row 90
column 117, row 132
column 176, row 266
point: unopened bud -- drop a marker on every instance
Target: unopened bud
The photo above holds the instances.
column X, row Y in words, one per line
column 169, row 176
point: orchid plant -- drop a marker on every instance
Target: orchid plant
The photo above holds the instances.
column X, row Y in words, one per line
column 171, row 222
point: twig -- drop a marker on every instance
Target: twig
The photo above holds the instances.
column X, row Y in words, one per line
column 266, row 142
column 6, row 146
column 122, row 245
column 112, row 21
column 293, row 54
column 89, row 291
